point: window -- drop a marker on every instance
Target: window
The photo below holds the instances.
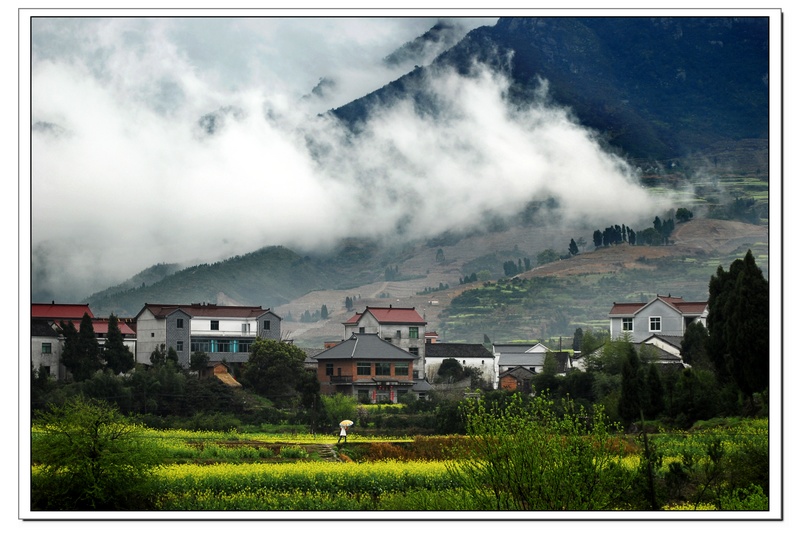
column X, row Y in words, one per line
column 363, row 369
column 47, row 348
column 413, row 333
column 362, row 330
column 655, row 323
column 243, row 347
column 401, row 369
column 224, row 346
column 245, row 328
column 388, row 339
column 383, row 369
column 179, row 346
column 215, row 325
column 179, row 323
column 413, row 350
column 627, row 324
column 267, row 325
column 329, row 369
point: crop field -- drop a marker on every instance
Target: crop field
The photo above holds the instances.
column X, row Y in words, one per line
column 212, row 471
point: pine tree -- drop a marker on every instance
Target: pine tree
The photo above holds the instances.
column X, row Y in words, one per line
column 738, row 325
column 118, row 357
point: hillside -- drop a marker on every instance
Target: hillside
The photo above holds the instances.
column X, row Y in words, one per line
column 653, row 88
column 578, row 290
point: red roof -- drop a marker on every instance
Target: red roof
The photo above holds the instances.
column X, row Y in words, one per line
column 207, row 309
column 674, row 301
column 390, row 315
column 100, row 327
column 60, row 311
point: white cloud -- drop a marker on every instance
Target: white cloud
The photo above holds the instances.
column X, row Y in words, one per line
column 132, row 180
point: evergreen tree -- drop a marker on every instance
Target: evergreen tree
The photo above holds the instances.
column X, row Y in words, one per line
column 655, row 392
column 324, row 312
column 118, row 357
column 81, row 355
column 738, row 324
column 577, row 339
column 573, row 247
column 630, row 400
column 694, row 346
column 598, row 238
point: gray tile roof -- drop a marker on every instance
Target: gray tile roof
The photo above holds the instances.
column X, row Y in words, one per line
column 365, row 346
column 525, row 360
column 444, row 349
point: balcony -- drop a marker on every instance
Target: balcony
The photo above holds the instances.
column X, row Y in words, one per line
column 340, row 379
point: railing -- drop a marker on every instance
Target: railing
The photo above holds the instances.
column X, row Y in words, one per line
column 340, row 379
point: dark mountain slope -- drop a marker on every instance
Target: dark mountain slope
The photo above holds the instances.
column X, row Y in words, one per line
column 654, row 88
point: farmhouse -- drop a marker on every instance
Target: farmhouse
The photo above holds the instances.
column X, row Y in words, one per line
column 368, row 367
column 663, row 315
column 47, row 343
column 223, row 332
column 401, row 326
column 468, row 355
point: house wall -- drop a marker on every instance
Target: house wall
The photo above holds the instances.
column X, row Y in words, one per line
column 183, row 334
column 151, row 332
column 346, row 367
column 485, row 364
column 274, row 331
column 672, row 322
column 51, row 360
column 390, row 331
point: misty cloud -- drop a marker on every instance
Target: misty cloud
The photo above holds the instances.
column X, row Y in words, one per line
column 162, row 142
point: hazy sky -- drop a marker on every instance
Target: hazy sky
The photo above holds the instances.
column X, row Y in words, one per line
column 124, row 177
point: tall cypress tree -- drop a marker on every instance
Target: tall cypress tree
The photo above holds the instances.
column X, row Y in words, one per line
column 81, row 355
column 738, row 325
column 118, row 357
column 632, row 388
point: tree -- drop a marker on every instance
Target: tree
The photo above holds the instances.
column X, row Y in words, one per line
column 449, row 371
column 323, row 312
column 683, row 215
column 198, row 361
column 274, row 369
column 118, row 357
column 738, row 324
column 528, row 456
column 632, row 387
column 81, row 354
column 694, row 346
column 348, row 303
column 159, row 356
column 573, row 247
column 598, row 238
column 577, row 339
column 338, row 408
column 91, row 458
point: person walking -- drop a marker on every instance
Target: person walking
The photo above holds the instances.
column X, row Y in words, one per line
column 342, row 434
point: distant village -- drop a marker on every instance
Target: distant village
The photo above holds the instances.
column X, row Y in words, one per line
column 385, row 352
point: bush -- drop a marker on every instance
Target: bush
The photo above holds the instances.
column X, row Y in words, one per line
column 525, row 456
column 86, row 456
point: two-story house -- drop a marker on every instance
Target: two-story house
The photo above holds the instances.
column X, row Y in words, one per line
column 223, row 332
column 46, row 340
column 367, row 367
column 401, row 326
column 663, row 315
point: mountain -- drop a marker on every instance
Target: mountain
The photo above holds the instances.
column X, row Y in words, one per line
column 653, row 88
